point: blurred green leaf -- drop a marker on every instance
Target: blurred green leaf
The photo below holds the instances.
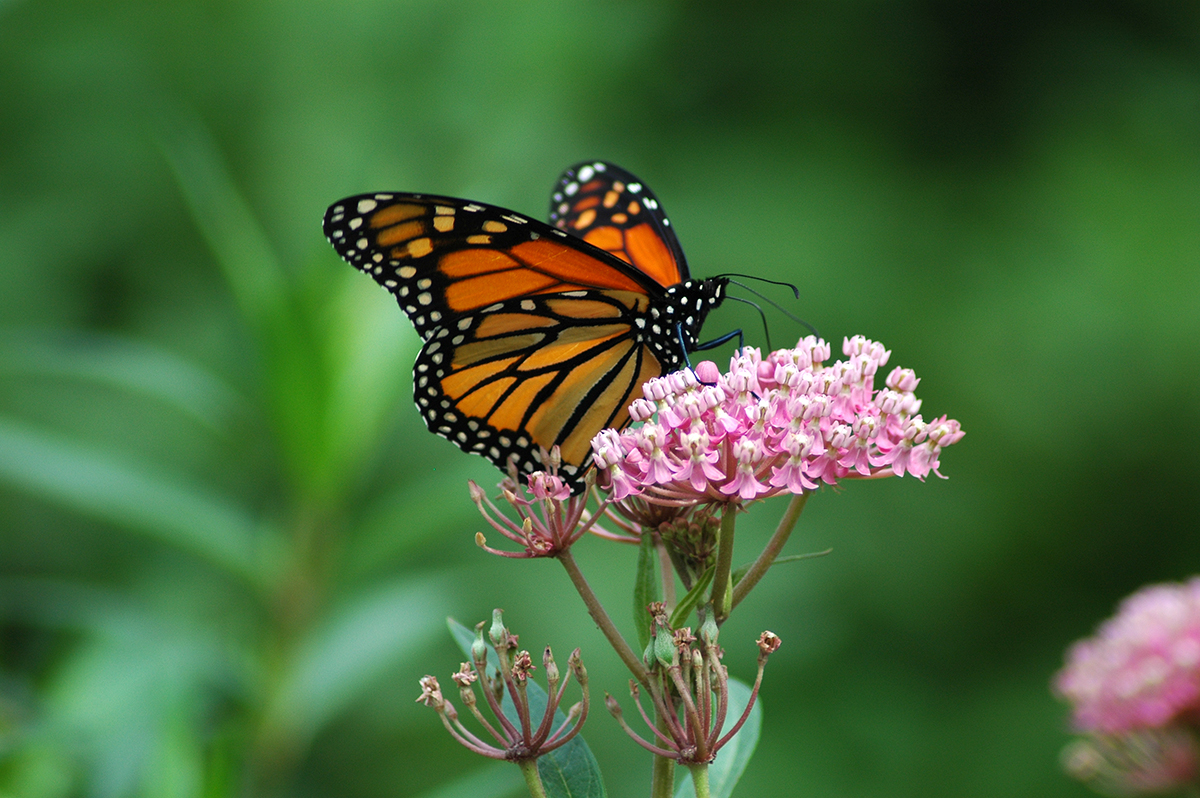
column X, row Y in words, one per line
column 225, row 219
column 494, row 780
column 126, row 700
column 135, row 497
column 731, row 761
column 412, row 514
column 296, row 378
column 369, row 349
column 126, row 364
column 360, row 641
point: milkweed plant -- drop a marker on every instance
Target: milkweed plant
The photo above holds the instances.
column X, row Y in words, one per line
column 705, row 447
column 1134, row 689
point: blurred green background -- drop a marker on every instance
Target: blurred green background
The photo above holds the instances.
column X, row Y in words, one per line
column 227, row 543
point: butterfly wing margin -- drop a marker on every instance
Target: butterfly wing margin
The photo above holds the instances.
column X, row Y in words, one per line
column 611, row 209
column 443, row 257
column 518, row 378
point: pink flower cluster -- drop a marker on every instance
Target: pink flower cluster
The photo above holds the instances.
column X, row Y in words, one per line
column 1142, row 669
column 783, row 423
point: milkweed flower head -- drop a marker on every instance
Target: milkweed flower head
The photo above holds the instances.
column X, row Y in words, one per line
column 551, row 518
column 1135, row 692
column 514, row 741
column 783, row 423
column 1142, row 669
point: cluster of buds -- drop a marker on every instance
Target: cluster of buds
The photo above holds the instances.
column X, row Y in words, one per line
column 689, row 688
column 783, row 423
column 518, row 740
column 1135, row 692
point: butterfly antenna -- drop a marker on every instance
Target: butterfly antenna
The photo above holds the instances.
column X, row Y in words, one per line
column 773, row 303
column 761, row 315
column 795, row 290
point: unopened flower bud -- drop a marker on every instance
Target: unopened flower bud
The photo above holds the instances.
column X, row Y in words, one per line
column 575, row 663
column 904, row 380
column 497, row 633
column 478, row 647
column 707, row 372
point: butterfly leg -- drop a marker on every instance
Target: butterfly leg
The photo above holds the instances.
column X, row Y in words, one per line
column 714, row 343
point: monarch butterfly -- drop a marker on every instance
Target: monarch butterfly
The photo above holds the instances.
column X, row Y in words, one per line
column 535, row 335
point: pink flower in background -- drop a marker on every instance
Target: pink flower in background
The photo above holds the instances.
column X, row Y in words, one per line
column 783, row 423
column 1142, row 669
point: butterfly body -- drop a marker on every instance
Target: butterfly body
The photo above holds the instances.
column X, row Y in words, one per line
column 535, row 335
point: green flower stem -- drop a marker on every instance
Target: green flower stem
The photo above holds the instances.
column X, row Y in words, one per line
column 700, row 780
column 596, row 610
column 662, row 779
column 721, row 582
column 532, row 780
column 772, row 549
column 667, row 574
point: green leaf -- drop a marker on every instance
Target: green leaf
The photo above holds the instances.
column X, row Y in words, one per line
column 731, row 761
column 124, row 364
column 223, row 215
column 413, row 513
column 357, row 645
column 568, row 772
column 494, row 780
column 134, row 497
column 645, row 588
column 296, row 373
column 691, row 600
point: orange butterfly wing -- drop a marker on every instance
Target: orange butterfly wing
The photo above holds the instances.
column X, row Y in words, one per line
column 612, row 210
column 534, row 336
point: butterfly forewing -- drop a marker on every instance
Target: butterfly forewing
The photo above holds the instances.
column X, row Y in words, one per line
column 442, row 257
column 612, row 210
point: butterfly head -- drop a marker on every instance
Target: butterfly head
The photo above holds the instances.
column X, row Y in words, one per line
column 683, row 312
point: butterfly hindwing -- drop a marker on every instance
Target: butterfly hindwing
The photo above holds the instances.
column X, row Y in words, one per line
column 518, row 377
column 611, row 209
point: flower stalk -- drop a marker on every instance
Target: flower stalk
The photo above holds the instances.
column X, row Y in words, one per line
column 689, row 690
column 516, row 742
